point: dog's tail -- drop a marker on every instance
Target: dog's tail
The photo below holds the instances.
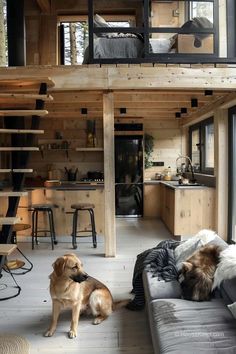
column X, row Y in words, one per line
column 119, row 304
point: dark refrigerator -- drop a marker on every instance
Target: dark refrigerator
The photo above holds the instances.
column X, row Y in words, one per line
column 129, row 175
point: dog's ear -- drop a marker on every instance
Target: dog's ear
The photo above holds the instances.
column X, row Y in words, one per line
column 59, row 266
column 187, row 266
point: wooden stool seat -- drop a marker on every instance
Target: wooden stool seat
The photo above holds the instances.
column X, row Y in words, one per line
column 83, row 206
column 21, row 227
column 42, row 206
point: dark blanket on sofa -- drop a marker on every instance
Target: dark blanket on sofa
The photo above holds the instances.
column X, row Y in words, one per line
column 160, row 261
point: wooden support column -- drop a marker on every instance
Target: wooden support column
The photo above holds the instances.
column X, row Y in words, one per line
column 221, row 171
column 109, row 174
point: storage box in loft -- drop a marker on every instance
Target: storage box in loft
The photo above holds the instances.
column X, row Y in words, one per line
column 186, row 44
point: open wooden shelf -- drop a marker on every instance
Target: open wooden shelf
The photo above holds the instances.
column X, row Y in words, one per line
column 89, row 149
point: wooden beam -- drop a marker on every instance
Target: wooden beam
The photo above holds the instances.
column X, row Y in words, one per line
column 23, row 112
column 109, row 174
column 221, row 171
column 81, row 77
column 44, row 5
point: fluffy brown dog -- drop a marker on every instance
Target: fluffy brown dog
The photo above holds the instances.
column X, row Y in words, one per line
column 198, row 273
column 71, row 287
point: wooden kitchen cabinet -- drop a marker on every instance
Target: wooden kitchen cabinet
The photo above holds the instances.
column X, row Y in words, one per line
column 152, row 204
column 185, row 211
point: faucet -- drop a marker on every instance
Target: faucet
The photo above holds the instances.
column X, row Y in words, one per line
column 193, row 180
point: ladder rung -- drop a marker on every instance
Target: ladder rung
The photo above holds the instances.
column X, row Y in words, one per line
column 25, row 96
column 7, row 249
column 23, row 112
column 16, row 170
column 24, row 83
column 9, row 220
column 21, row 131
column 13, row 193
column 22, row 170
column 19, row 148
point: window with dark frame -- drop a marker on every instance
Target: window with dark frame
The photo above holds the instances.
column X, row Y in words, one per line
column 201, row 146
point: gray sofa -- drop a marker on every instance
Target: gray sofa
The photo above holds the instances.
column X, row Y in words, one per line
column 180, row 326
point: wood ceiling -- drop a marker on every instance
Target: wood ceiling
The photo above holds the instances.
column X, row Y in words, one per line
column 160, row 105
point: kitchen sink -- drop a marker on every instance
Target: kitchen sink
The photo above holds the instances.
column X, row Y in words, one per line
column 187, row 185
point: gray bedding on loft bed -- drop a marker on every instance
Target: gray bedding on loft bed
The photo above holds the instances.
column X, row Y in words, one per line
column 113, row 48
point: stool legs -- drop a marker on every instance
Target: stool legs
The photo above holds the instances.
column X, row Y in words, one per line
column 35, row 227
column 94, row 234
column 74, row 227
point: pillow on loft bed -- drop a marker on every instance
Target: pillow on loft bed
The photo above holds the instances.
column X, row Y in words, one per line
column 99, row 21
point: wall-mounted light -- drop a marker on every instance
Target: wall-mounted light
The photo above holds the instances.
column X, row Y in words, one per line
column 123, row 110
column 183, row 110
column 194, row 102
column 84, row 110
column 177, row 115
column 208, row 92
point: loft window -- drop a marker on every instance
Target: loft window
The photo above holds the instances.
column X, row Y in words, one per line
column 74, row 38
column 201, row 138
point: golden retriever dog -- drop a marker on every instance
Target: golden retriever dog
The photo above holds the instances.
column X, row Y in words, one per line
column 71, row 287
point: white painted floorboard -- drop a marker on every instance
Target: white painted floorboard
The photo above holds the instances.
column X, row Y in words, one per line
column 123, row 332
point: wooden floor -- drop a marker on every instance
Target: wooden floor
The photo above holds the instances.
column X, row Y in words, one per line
column 123, row 332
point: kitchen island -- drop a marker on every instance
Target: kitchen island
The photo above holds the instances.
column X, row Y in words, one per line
column 62, row 197
column 184, row 209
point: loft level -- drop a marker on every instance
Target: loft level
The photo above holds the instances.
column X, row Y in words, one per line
column 23, row 112
column 21, row 131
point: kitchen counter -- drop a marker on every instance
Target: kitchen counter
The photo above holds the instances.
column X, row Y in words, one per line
column 173, row 184
column 71, row 186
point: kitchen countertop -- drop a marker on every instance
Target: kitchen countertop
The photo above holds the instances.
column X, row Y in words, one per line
column 174, row 184
column 71, row 186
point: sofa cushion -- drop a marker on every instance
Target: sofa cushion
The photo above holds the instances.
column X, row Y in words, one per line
column 159, row 289
column 228, row 290
column 184, row 327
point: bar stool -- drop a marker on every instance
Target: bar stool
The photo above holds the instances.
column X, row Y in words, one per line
column 86, row 207
column 46, row 208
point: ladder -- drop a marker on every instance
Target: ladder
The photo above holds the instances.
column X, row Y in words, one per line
column 22, row 141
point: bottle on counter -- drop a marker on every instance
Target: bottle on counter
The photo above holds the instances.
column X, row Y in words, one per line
column 167, row 174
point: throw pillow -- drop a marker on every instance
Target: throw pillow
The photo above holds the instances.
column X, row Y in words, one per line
column 185, row 250
column 206, row 235
column 232, row 308
column 226, row 268
column 98, row 21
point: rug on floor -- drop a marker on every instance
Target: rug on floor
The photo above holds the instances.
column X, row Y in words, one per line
column 13, row 344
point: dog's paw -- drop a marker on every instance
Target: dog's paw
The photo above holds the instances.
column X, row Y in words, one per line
column 48, row 333
column 97, row 320
column 72, row 334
